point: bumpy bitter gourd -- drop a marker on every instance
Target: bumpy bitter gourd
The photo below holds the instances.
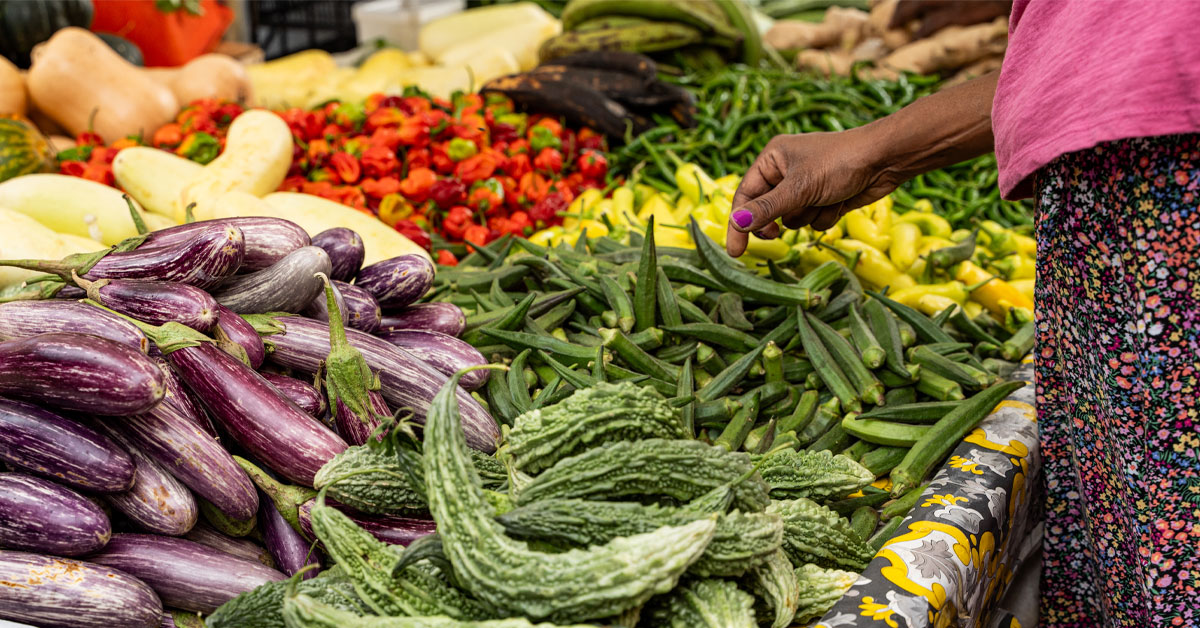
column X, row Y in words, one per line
column 820, row 589
column 602, row 413
column 571, row 586
column 678, row 470
column 262, row 607
column 813, row 533
column 303, row 611
column 773, row 583
column 706, row 604
column 819, row 476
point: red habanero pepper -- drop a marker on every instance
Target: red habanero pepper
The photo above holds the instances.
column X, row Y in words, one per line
column 512, row 193
column 456, row 222
column 520, row 224
column 471, row 126
column 293, row 184
column 199, row 147
column 227, row 112
column 448, row 192
column 100, row 173
column 446, row 258
column 167, row 136
column 461, row 148
column 384, row 118
column 317, row 188
column 124, row 142
column 551, row 125
column 548, row 160
column 592, row 165
column 487, row 196
column 542, row 137
column 412, row 231
column 351, row 196
column 534, row 187
column 517, row 146
column 379, row 188
column 73, row 168
column 546, row 211
column 332, row 130
column 386, row 137
column 518, row 165
column 588, row 138
column 415, row 187
column 416, row 104
column 419, row 158
column 476, row 168
column 318, row 152
column 442, row 163
column 380, row 161
column 346, row 166
column 476, row 234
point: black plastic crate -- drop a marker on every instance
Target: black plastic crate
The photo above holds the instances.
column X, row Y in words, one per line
column 281, row 27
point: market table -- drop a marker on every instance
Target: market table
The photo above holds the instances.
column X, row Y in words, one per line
column 954, row 556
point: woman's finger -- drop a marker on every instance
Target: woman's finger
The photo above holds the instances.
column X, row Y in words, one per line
column 769, row 232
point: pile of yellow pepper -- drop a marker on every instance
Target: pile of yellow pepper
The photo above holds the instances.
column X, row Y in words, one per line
column 918, row 256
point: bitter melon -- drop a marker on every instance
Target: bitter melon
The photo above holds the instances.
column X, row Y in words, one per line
column 773, row 583
column 678, row 470
column 263, row 607
column 820, row 476
column 602, row 413
column 416, row 590
column 574, row 585
column 385, row 478
column 813, row 533
column 706, row 604
column 820, row 589
column 740, row 541
column 303, row 611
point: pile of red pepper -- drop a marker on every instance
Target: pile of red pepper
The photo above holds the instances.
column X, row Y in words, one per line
column 470, row 169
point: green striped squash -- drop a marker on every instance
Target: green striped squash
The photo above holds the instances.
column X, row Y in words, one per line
column 22, row 149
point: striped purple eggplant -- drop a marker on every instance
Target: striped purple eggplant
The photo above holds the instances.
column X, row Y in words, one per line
column 21, row 319
column 237, row 330
column 255, row 414
column 359, row 309
column 303, row 394
column 386, row 528
column 445, row 318
column 210, row 255
column 38, row 515
column 302, row 344
column 290, row 551
column 156, row 302
column 397, row 282
column 444, row 353
column 175, row 441
column 185, row 574
column 80, row 372
column 182, row 399
column 267, row 240
column 205, row 534
column 52, row 591
column 46, row 444
column 157, row 502
column 351, row 427
column 289, row 285
column 346, row 251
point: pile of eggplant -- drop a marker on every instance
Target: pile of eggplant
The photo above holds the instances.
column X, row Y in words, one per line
column 145, row 380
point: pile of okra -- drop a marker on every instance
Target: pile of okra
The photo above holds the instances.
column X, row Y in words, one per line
column 754, row 362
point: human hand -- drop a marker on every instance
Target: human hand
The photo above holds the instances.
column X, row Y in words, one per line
column 812, row 178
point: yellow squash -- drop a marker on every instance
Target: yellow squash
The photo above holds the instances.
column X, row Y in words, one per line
column 153, row 177
column 70, row 205
column 257, row 155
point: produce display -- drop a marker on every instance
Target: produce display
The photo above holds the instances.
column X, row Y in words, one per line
column 448, row 337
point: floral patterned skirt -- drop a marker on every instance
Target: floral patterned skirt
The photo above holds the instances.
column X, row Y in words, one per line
column 1118, row 383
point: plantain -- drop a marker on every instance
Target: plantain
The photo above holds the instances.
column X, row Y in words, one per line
column 609, row 21
column 648, row 37
column 615, row 85
column 627, row 62
column 739, row 15
column 561, row 97
column 705, row 15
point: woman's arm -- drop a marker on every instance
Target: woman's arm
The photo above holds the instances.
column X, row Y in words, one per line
column 814, row 178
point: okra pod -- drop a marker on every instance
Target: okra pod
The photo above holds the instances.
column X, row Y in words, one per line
column 828, row 413
column 867, row 385
column 619, row 343
column 675, row 354
column 838, row 306
column 1020, row 343
column 884, row 432
column 882, row 460
column 739, row 426
column 717, row 412
column 719, row 335
column 971, row 329
column 571, row 376
column 727, row 379
column 835, row 439
column 866, row 343
column 500, row 400
column 827, row 369
column 883, row 326
column 904, row 502
column 572, row 354
column 856, row 449
column 687, row 387
column 885, row 534
column 938, row 387
column 925, row 329
column 668, row 306
column 742, row 282
column 963, row 375
column 645, row 293
column 691, row 312
column 900, row 396
column 773, row 363
column 800, row 417
column 709, row 360
column 872, row 499
column 923, row 412
column 732, row 312
column 864, row 521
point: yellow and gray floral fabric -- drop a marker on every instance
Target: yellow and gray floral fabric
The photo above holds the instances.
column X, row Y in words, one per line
column 954, row 556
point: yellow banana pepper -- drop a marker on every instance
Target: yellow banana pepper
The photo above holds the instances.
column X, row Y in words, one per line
column 684, row 207
column 694, row 183
column 595, row 228
column 642, row 193
column 972, row 309
column 996, row 295
column 812, row 256
column 658, row 207
column 860, row 227
column 881, row 212
column 1025, row 244
column 622, row 207
column 1016, row 267
column 721, row 208
column 930, row 224
column 932, row 304
column 774, row 250
column 906, row 236
column 728, row 184
column 959, row 235
column 829, row 235
column 923, row 205
column 547, row 236
column 953, row 290
column 1024, row 286
column 873, row 266
column 582, row 207
column 932, row 243
column 1001, row 239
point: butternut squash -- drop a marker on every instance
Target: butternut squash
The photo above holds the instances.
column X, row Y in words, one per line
column 257, row 155
column 75, row 74
column 153, row 177
column 12, row 90
column 208, row 76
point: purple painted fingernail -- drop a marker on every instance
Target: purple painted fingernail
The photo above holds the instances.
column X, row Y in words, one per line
column 743, row 218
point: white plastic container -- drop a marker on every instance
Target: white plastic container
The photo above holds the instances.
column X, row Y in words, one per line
column 398, row 22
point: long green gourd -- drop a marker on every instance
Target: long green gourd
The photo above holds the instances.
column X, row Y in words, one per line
column 817, row 475
column 820, row 589
column 774, row 586
column 679, row 470
column 304, row 611
column 262, row 607
column 706, row 604
column 415, row 591
column 741, row 540
column 813, row 533
column 603, row 413
column 570, row 586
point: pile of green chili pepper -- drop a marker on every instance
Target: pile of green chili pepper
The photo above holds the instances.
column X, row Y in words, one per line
column 739, row 110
